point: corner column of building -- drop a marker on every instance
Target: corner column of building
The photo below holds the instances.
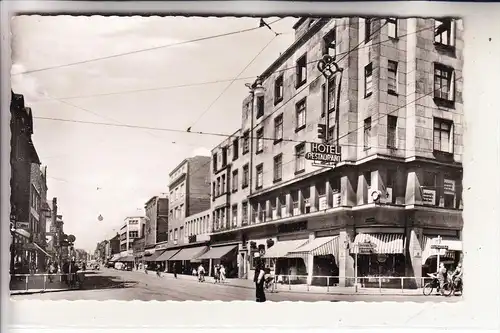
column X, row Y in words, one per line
column 413, row 193
column 314, row 198
column 329, row 194
column 414, row 238
column 362, row 190
column 310, row 261
column 348, row 184
column 301, row 203
column 289, row 205
column 345, row 261
column 269, row 213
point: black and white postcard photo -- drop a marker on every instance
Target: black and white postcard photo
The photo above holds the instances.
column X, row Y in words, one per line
column 328, row 168
column 265, row 159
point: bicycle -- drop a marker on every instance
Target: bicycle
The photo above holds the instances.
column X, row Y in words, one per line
column 434, row 284
column 455, row 286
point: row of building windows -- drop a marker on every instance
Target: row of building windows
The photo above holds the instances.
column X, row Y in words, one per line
column 177, row 212
column 198, row 226
column 436, row 190
column 177, row 193
column 175, row 234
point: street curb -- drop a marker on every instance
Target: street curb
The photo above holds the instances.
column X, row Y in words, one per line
column 15, row 293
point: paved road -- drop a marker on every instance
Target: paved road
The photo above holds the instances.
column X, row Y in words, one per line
column 109, row 284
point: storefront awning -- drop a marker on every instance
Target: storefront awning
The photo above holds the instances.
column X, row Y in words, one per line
column 154, row 256
column 380, row 243
column 190, row 253
column 217, row 252
column 320, row 246
column 167, row 255
column 127, row 259
column 40, row 248
column 115, row 257
column 452, row 243
column 281, row 249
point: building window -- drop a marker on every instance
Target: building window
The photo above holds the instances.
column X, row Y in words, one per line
column 392, row 77
column 331, row 134
column 224, row 156
column 244, row 213
column 368, row 29
column 214, row 160
column 223, row 184
column 246, row 142
column 301, row 71
column 444, row 32
column 300, row 161
column 234, row 215
column 278, row 89
column 218, row 191
column 235, row 181
column 368, row 178
column 368, row 80
column 259, row 170
column 367, row 132
column 331, row 97
column 278, row 165
column 392, row 27
column 444, row 82
column 278, row 128
column 330, row 43
column 176, row 235
column 260, row 106
column 300, row 112
column 443, row 135
column 244, row 181
column 392, row 123
column 235, row 149
column 260, row 140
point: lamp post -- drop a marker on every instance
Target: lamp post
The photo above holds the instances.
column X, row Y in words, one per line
column 328, row 67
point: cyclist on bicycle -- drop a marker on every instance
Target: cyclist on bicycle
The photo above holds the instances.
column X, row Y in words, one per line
column 457, row 276
column 442, row 277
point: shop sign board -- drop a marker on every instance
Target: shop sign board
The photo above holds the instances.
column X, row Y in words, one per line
column 429, row 197
column 366, row 247
column 324, row 153
column 449, row 186
column 23, row 225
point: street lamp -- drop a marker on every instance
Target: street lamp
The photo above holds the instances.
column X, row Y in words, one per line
column 328, row 67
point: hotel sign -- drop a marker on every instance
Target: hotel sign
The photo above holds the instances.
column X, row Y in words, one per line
column 321, row 152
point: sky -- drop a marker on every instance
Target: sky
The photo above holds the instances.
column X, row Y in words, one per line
column 112, row 171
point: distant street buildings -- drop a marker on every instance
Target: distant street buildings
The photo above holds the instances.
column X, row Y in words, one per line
column 36, row 227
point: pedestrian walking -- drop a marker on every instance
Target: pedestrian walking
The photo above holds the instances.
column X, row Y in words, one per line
column 175, row 270
column 201, row 273
column 222, row 273
column 158, row 271
column 260, row 295
column 216, row 273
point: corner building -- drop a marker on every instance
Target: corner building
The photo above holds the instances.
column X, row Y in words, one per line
column 398, row 119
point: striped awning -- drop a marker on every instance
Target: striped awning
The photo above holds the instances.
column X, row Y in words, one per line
column 154, row 256
column 452, row 242
column 381, row 243
column 281, row 249
column 190, row 253
column 320, row 246
column 217, row 252
column 167, row 255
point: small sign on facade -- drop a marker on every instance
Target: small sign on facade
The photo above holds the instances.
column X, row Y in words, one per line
column 324, row 153
column 23, row 225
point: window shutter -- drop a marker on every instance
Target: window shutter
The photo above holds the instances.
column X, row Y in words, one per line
column 451, row 92
column 451, row 138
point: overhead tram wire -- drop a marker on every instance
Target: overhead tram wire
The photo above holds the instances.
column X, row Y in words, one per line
column 203, row 83
column 144, row 50
column 306, row 86
column 231, row 83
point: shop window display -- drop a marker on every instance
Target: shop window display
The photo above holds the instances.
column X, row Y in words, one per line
column 372, row 266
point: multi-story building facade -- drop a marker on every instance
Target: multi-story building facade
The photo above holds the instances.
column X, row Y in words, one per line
column 156, row 229
column 189, row 189
column 23, row 154
column 112, row 246
column 39, row 212
column 395, row 110
column 132, row 229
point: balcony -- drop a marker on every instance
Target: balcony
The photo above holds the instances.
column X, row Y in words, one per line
column 296, row 209
column 283, row 211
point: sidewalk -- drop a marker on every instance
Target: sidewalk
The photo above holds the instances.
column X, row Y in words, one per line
column 35, row 285
column 301, row 288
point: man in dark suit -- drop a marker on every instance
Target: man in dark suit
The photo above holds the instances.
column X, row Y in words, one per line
column 260, row 295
